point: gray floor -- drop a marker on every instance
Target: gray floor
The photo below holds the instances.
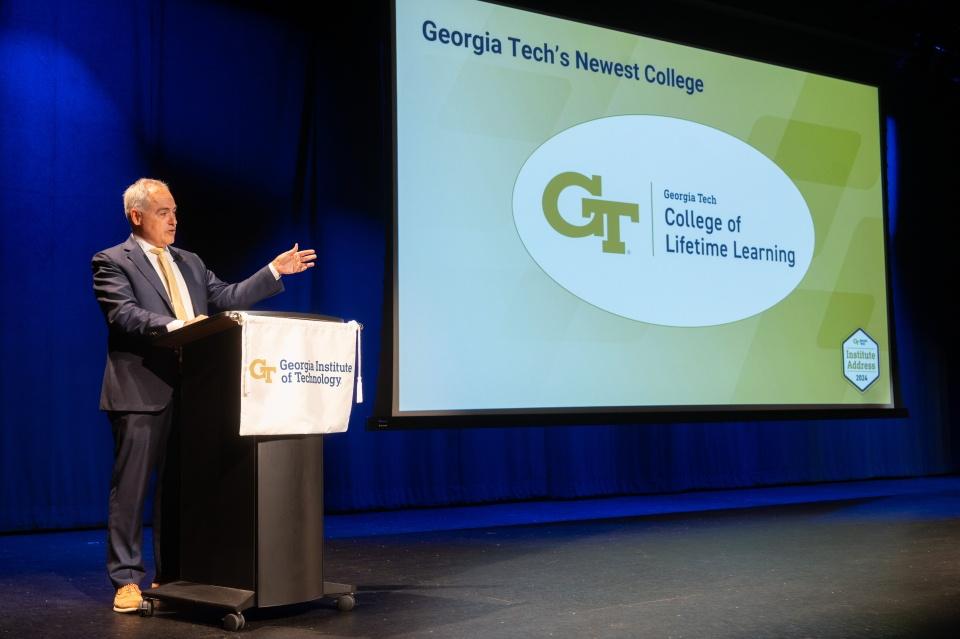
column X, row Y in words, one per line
column 871, row 567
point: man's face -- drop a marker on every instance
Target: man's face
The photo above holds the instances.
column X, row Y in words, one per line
column 158, row 224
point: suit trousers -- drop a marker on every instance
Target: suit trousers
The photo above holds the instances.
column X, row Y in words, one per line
column 141, row 442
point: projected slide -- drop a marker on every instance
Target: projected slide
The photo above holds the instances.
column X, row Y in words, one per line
column 592, row 220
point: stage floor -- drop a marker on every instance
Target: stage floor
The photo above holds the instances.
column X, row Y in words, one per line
column 861, row 559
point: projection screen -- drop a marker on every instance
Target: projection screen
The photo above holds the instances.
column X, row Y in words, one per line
column 591, row 221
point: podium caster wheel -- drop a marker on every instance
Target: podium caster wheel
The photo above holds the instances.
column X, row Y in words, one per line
column 146, row 608
column 345, row 603
column 234, row 622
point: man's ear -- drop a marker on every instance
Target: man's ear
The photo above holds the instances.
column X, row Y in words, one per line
column 136, row 217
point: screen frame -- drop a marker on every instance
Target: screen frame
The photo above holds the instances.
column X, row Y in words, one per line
column 387, row 416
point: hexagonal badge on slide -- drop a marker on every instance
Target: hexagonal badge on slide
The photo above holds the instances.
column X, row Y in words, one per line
column 861, row 360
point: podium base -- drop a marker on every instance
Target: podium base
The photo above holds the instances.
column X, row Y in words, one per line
column 233, row 600
column 187, row 592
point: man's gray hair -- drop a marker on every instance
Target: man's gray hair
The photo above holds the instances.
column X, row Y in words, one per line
column 137, row 195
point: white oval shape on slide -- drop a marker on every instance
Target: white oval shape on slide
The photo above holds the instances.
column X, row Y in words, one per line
column 600, row 207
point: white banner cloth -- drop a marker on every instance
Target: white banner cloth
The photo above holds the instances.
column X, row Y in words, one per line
column 297, row 375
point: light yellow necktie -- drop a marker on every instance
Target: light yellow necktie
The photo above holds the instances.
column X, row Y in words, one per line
column 171, row 281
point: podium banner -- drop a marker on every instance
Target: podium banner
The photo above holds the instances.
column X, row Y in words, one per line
column 297, row 375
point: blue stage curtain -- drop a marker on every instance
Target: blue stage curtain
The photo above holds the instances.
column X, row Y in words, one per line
column 271, row 131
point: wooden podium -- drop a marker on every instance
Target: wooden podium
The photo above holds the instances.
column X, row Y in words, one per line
column 250, row 508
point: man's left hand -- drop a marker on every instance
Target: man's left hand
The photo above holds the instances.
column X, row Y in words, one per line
column 294, row 260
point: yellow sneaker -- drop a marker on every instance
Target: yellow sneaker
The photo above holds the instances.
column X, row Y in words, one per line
column 127, row 598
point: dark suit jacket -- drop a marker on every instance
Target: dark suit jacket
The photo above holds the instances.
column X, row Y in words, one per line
column 138, row 376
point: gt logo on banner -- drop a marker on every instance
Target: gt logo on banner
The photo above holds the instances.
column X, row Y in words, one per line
column 592, row 208
column 260, row 370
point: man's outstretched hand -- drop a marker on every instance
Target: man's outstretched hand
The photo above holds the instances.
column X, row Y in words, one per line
column 294, row 260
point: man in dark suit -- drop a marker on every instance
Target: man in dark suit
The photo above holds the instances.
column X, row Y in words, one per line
column 145, row 288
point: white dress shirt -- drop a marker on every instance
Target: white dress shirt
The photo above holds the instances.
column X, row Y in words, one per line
column 177, row 275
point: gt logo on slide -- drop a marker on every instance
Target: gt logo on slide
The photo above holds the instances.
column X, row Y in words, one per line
column 592, row 208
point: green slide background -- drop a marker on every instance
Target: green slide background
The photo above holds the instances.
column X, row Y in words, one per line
column 481, row 326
